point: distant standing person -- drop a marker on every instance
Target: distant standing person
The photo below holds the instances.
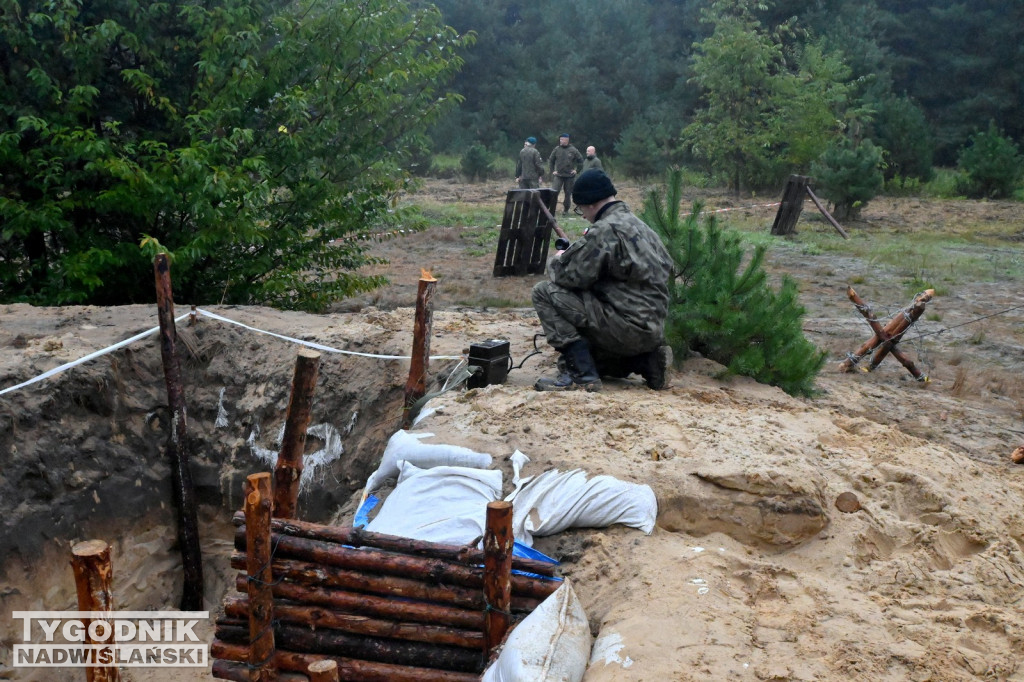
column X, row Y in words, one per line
column 530, row 167
column 591, row 161
column 564, row 163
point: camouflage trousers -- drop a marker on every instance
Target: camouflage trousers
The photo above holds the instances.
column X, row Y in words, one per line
column 528, row 184
column 558, row 183
column 568, row 316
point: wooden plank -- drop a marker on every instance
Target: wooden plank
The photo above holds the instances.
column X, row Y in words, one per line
column 828, row 216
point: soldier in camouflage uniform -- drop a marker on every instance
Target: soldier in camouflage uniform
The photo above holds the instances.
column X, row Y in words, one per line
column 530, row 167
column 592, row 161
column 605, row 305
column 563, row 165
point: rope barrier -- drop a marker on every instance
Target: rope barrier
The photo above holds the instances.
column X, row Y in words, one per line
column 121, row 344
column 87, row 358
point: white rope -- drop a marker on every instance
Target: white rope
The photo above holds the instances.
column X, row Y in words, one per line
column 87, row 358
column 138, row 337
column 318, row 346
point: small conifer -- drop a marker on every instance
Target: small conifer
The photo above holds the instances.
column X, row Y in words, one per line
column 721, row 304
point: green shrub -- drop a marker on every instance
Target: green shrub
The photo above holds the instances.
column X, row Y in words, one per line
column 991, row 164
column 476, row 163
column 902, row 130
column 721, row 304
column 849, row 175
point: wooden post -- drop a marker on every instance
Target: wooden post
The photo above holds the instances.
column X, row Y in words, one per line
column 90, row 562
column 792, row 205
column 258, row 557
column 416, row 386
column 323, row 671
column 828, row 216
column 498, row 541
column 177, row 446
column 288, row 471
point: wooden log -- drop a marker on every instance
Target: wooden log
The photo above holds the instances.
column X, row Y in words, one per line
column 177, row 445
column 881, row 334
column 91, row 565
column 416, row 385
column 390, row 563
column 358, row 537
column 288, row 471
column 904, row 322
column 323, row 671
column 828, row 216
column 311, row 574
column 372, row 605
column 349, row 670
column 318, row 617
column 791, row 207
column 239, row 672
column 302, row 639
column 258, row 503
column 498, row 542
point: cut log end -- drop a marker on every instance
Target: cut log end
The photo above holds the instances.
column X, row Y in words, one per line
column 1017, row 457
column 90, row 548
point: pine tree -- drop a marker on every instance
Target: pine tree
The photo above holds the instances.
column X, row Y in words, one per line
column 724, row 309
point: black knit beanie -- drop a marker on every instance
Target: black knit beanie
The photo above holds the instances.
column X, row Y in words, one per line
column 592, row 186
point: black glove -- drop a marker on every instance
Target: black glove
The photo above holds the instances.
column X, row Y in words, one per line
column 561, row 244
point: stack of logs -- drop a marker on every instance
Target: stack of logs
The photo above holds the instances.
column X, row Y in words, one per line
column 381, row 607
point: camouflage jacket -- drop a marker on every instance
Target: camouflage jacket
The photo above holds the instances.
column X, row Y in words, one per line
column 622, row 269
column 530, row 165
column 592, row 162
column 564, row 160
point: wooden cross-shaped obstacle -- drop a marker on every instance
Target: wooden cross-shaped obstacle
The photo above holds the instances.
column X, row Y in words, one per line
column 885, row 339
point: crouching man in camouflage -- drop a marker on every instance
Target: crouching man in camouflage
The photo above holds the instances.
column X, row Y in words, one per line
column 604, row 307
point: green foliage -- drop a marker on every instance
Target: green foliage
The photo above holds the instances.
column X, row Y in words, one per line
column 476, row 163
column 644, row 147
column 256, row 141
column 721, row 304
column 991, row 164
column 763, row 117
column 901, row 129
column 849, row 175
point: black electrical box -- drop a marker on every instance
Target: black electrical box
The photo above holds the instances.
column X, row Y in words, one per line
column 493, row 357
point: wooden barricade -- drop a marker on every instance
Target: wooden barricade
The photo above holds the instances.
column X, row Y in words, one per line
column 525, row 232
column 381, row 607
column 797, row 186
column 884, row 340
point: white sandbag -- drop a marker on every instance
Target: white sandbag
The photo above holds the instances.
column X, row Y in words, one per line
column 554, row 501
column 407, row 446
column 441, row 504
column 552, row 644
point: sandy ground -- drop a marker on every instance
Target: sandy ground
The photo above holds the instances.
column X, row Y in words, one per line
column 753, row 573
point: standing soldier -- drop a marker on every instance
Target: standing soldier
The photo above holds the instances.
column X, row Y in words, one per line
column 530, row 167
column 591, row 161
column 564, row 164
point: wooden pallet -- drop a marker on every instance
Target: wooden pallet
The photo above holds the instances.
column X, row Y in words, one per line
column 525, row 232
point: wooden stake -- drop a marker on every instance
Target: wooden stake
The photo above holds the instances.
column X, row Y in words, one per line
column 498, row 541
column 323, row 671
column 416, row 386
column 828, row 216
column 177, row 446
column 288, row 472
column 90, row 562
column 258, row 558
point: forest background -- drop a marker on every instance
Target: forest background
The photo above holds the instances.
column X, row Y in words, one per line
column 260, row 142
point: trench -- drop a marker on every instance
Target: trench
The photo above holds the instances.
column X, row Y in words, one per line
column 83, row 457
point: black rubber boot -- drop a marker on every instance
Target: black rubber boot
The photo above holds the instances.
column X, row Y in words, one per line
column 579, row 370
column 654, row 366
